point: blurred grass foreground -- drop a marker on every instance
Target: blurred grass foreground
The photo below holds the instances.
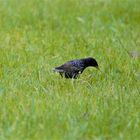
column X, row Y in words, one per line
column 37, row 104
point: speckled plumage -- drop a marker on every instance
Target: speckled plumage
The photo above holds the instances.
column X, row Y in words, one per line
column 73, row 68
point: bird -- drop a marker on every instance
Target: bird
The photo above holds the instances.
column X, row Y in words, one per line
column 72, row 69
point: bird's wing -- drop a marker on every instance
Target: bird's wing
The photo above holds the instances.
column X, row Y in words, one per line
column 67, row 67
column 78, row 64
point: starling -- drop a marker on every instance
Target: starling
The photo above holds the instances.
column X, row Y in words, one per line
column 73, row 68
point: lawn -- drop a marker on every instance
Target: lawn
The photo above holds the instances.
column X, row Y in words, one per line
column 38, row 35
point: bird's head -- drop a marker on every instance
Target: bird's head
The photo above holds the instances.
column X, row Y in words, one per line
column 91, row 62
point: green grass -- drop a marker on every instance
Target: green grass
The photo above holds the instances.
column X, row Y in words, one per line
column 37, row 104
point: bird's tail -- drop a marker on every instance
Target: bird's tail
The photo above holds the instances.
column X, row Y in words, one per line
column 57, row 70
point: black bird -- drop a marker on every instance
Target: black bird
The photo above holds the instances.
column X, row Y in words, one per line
column 73, row 68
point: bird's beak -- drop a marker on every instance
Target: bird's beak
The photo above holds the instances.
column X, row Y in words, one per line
column 98, row 68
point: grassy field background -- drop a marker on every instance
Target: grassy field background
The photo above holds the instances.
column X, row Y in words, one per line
column 37, row 104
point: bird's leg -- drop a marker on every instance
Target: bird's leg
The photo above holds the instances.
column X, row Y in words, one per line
column 61, row 74
column 72, row 80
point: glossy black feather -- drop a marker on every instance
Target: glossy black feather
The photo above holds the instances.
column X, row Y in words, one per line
column 73, row 68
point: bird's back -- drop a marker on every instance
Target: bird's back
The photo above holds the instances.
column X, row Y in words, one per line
column 77, row 63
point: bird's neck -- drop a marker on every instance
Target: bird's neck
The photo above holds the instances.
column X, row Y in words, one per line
column 86, row 63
